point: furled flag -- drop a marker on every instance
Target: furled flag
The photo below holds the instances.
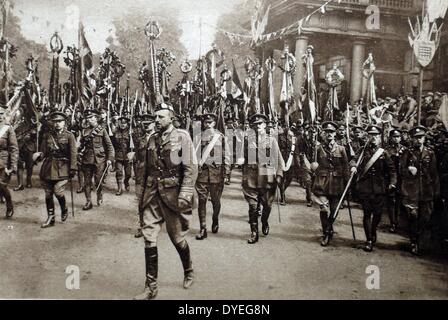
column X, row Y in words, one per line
column 237, row 88
column 436, row 9
column 5, row 5
column 86, row 65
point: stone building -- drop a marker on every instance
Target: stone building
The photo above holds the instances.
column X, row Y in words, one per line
column 343, row 36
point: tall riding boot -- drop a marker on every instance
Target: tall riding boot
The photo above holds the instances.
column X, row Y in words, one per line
column 151, row 262
column 253, row 234
column 309, row 199
column 326, row 229
column 282, row 197
column 184, row 253
column 9, row 205
column 88, row 194
column 215, row 219
column 20, row 186
column 127, row 187
column 50, row 212
column 29, row 175
column 367, row 224
column 120, row 188
column 202, row 211
column 99, row 197
column 64, row 210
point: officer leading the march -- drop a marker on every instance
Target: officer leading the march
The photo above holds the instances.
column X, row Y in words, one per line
column 59, row 153
column 170, row 175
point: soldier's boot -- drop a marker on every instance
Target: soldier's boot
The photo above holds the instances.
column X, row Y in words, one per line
column 184, row 253
column 99, row 198
column 88, row 205
column 227, row 181
column 20, row 186
column 202, row 234
column 64, row 210
column 308, row 197
column 215, row 223
column 127, row 187
column 80, row 189
column 327, row 229
column 368, row 247
column 120, row 188
column 265, row 225
column 151, row 261
column 282, row 197
column 50, row 220
column 80, row 181
column 50, row 213
column 8, row 199
column 253, row 234
column 29, row 175
column 2, row 199
column 414, row 249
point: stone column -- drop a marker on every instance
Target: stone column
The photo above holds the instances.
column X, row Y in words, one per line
column 358, row 57
column 301, row 45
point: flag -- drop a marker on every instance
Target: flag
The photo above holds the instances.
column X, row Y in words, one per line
column 86, row 64
column 436, row 9
column 5, row 5
column 258, row 23
column 237, row 88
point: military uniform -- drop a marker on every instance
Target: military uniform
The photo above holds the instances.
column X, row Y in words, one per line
column 214, row 167
column 331, row 175
column 302, row 154
column 9, row 153
column 122, row 146
column 262, row 172
column 285, row 142
column 27, row 147
column 376, row 178
column 168, row 196
column 395, row 150
column 419, row 187
column 96, row 149
column 59, row 154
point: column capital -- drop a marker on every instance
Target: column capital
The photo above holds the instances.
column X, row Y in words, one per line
column 361, row 41
column 303, row 36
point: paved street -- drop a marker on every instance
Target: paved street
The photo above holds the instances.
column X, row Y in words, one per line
column 288, row 264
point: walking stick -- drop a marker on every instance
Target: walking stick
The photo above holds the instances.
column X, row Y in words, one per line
column 102, row 177
column 71, row 197
column 351, row 219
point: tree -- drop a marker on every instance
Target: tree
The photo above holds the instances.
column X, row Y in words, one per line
column 26, row 48
column 237, row 21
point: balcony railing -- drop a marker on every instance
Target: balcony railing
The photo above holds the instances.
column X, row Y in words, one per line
column 393, row 4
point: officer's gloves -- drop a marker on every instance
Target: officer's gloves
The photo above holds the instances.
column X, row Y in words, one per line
column 131, row 156
column 412, row 170
column 37, row 156
column 353, row 170
column 314, row 166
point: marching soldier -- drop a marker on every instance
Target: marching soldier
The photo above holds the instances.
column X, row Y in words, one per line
column 121, row 142
column 395, row 149
column 376, row 179
column 286, row 140
column 9, row 153
column 59, row 154
column 97, row 155
column 358, row 141
column 147, row 130
column 419, row 187
column 170, row 175
column 27, row 147
column 331, row 174
column 302, row 153
column 262, row 173
column 214, row 167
